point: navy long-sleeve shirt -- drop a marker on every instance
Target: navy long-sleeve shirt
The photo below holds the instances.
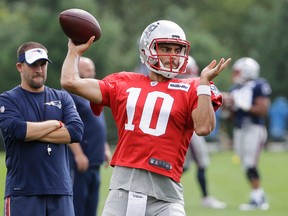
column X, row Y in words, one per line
column 30, row 169
column 95, row 134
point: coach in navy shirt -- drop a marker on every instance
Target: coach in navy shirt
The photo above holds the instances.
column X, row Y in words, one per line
column 37, row 122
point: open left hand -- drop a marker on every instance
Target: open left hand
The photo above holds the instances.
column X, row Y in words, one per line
column 213, row 70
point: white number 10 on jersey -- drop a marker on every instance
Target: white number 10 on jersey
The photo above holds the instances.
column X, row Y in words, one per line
column 148, row 109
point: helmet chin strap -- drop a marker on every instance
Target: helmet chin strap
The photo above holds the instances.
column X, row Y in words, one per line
column 166, row 74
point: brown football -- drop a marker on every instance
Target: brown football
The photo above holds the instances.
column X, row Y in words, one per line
column 79, row 25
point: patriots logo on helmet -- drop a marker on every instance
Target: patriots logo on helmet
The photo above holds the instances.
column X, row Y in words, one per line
column 150, row 29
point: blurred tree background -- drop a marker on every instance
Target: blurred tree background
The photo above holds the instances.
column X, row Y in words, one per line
column 222, row 28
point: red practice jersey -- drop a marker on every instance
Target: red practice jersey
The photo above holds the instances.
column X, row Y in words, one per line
column 153, row 119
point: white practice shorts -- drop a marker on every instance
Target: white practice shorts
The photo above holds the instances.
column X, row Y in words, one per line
column 125, row 203
column 248, row 143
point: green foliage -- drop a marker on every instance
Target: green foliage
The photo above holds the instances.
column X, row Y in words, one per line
column 12, row 22
column 215, row 28
column 267, row 36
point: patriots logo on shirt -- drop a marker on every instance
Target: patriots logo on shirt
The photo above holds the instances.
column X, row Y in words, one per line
column 153, row 83
column 54, row 103
column 2, row 109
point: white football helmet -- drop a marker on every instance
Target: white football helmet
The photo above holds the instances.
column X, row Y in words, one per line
column 248, row 68
column 163, row 31
column 192, row 69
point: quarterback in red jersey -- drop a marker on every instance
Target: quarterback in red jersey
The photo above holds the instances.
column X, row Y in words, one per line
column 156, row 116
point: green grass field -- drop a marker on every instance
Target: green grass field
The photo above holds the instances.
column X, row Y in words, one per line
column 226, row 182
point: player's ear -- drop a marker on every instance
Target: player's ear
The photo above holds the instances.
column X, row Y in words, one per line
column 19, row 66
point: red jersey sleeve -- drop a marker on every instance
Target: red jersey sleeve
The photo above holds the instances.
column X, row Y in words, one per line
column 216, row 96
column 105, row 86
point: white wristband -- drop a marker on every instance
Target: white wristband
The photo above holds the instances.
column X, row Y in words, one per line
column 203, row 90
